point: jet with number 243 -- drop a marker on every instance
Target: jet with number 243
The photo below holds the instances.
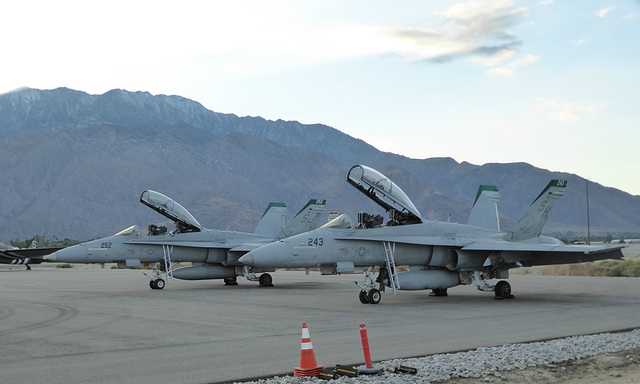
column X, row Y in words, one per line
column 213, row 253
column 440, row 255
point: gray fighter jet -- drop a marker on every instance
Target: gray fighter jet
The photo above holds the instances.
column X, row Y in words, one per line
column 213, row 253
column 440, row 255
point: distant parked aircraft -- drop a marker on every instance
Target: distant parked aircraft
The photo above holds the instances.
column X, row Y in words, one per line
column 33, row 254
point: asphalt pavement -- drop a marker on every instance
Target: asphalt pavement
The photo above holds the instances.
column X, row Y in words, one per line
column 102, row 325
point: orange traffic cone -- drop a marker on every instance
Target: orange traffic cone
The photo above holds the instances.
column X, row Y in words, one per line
column 308, row 365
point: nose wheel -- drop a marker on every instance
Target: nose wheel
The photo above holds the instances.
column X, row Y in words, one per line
column 156, row 284
column 368, row 293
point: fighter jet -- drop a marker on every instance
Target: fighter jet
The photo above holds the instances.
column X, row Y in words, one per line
column 33, row 254
column 440, row 255
column 213, row 253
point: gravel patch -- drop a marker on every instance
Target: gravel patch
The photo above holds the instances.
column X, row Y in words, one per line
column 488, row 363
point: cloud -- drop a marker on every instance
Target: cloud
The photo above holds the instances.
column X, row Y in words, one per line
column 567, row 111
column 546, row 2
column 603, row 12
column 578, row 42
column 508, row 69
column 471, row 29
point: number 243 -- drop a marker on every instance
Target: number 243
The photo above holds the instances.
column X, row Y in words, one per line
column 318, row 242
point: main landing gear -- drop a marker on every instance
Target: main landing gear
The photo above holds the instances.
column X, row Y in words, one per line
column 503, row 290
column 231, row 281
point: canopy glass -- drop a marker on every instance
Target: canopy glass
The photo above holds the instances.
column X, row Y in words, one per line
column 171, row 209
column 381, row 190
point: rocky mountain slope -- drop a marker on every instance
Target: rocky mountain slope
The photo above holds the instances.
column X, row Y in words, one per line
column 73, row 165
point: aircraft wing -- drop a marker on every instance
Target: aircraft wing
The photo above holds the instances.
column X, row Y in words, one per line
column 532, row 254
column 536, row 247
column 526, row 253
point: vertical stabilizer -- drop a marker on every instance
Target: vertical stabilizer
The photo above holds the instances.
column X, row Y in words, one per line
column 530, row 225
column 484, row 213
column 272, row 221
column 305, row 220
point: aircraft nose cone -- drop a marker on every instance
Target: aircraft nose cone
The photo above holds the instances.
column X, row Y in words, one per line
column 246, row 259
column 52, row 257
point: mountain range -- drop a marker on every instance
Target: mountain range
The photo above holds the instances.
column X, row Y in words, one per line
column 73, row 165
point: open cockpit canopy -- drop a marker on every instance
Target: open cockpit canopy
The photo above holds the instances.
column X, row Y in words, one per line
column 185, row 222
column 385, row 193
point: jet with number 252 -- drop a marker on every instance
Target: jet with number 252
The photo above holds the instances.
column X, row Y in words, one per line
column 213, row 253
column 440, row 255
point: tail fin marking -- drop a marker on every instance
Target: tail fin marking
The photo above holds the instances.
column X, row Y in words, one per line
column 531, row 224
column 305, row 220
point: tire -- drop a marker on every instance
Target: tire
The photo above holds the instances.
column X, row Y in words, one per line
column 152, row 284
column 230, row 281
column 266, row 280
column 364, row 299
column 159, row 284
column 439, row 292
column 503, row 290
column 374, row 296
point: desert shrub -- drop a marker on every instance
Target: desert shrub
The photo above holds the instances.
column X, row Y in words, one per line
column 626, row 268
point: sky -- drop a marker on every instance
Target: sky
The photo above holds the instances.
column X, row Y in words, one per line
column 553, row 83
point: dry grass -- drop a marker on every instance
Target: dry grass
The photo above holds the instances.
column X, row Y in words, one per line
column 612, row 268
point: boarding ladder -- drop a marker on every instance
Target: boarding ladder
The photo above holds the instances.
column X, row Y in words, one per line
column 389, row 250
column 166, row 256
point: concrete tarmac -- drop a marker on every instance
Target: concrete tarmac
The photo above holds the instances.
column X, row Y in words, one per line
column 106, row 326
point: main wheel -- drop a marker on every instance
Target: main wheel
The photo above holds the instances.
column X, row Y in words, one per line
column 374, row 296
column 231, row 281
column 152, row 284
column 265, row 280
column 503, row 290
column 438, row 292
column 364, row 299
column 159, row 284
